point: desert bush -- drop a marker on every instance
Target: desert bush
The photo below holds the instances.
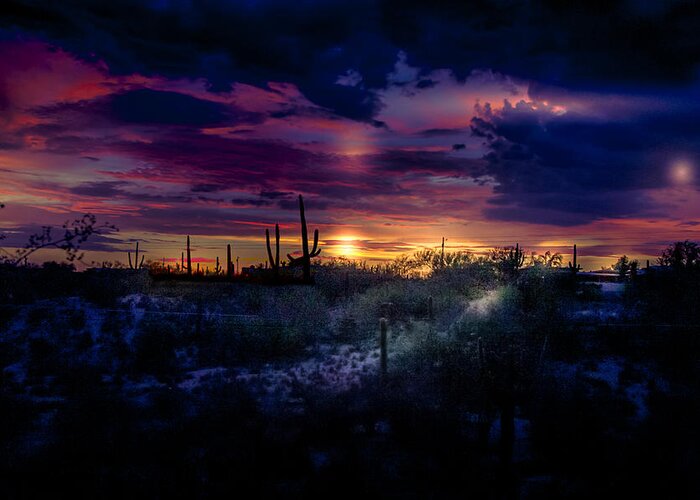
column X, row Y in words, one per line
column 154, row 346
column 302, row 310
column 26, row 284
column 289, row 319
column 407, row 298
column 670, row 296
column 105, row 286
column 542, row 294
column 471, row 280
column 340, row 280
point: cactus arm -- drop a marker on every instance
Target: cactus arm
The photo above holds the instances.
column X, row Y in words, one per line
column 131, row 266
column 315, row 251
column 294, row 261
column 315, row 247
column 142, row 258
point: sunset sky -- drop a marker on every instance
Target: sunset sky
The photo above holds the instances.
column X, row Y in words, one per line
column 400, row 122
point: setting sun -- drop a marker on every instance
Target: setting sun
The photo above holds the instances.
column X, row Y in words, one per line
column 345, row 247
column 347, row 250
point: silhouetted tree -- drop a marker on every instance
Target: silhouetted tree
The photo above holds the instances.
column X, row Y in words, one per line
column 548, row 259
column 75, row 233
column 681, row 255
column 623, row 266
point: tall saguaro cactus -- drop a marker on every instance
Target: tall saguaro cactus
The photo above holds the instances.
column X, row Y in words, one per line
column 229, row 263
column 575, row 267
column 305, row 259
column 136, row 264
column 442, row 253
column 189, row 257
column 516, row 257
column 274, row 263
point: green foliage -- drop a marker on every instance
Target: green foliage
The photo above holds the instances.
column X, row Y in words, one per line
column 401, row 301
column 542, row 292
column 434, row 260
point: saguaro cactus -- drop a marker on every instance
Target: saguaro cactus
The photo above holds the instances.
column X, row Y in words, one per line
column 136, row 264
column 442, row 253
column 575, row 267
column 305, row 259
column 189, row 257
column 229, row 263
column 274, row 263
column 516, row 257
column 511, row 259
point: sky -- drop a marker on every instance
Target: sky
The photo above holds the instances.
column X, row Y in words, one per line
column 401, row 122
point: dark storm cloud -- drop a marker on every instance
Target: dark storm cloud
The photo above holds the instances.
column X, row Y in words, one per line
column 146, row 106
column 426, row 84
column 142, row 107
column 425, row 162
column 439, row 132
column 308, row 44
column 209, row 163
column 119, row 190
column 570, row 169
column 576, row 44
